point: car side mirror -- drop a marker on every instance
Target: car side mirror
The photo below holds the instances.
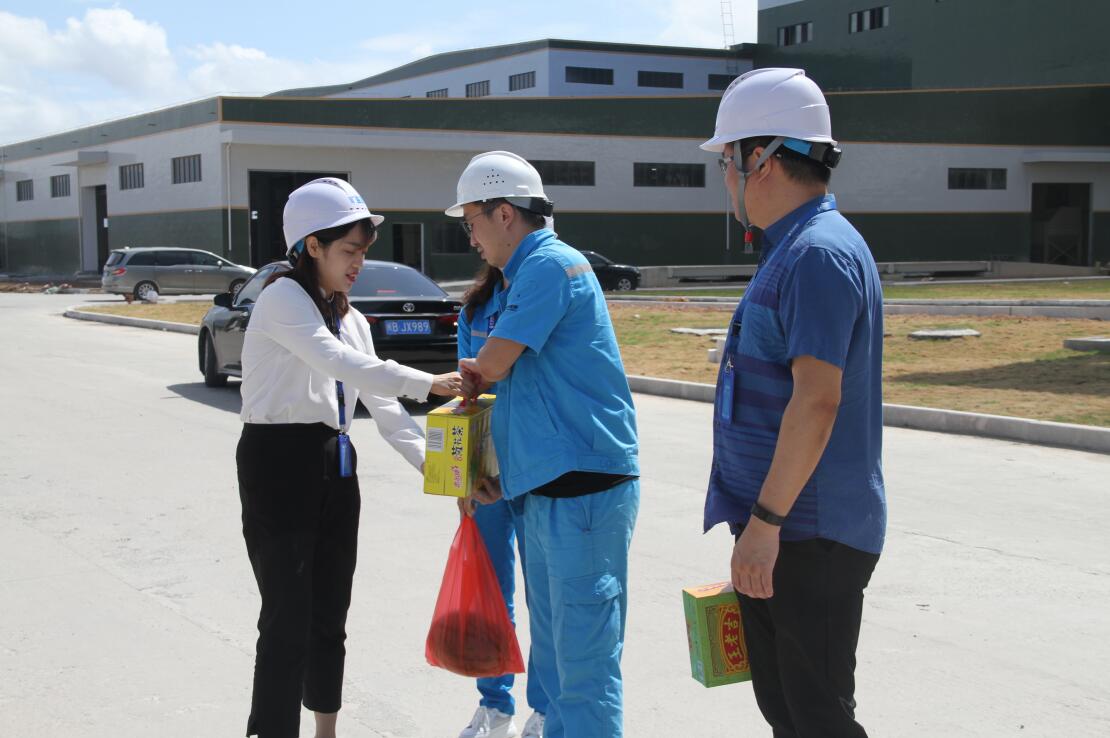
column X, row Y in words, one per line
column 222, row 300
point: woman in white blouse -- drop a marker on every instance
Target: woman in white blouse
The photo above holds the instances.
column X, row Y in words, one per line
column 307, row 359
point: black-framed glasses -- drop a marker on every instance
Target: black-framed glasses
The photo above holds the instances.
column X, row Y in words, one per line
column 469, row 229
column 724, row 161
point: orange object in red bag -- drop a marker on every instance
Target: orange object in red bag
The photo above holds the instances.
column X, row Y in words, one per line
column 471, row 633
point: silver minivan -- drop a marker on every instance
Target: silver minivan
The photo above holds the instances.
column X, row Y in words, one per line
column 170, row 271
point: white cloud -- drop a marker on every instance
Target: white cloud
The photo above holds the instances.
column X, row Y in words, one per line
column 109, row 45
column 109, row 63
column 233, row 69
column 129, row 53
column 701, row 22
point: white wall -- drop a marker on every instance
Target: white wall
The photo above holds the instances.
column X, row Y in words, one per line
column 549, row 66
column 456, row 80
column 907, row 178
column 418, row 171
column 626, row 68
column 43, row 206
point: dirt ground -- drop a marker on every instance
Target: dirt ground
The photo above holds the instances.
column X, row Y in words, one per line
column 1017, row 367
column 1084, row 289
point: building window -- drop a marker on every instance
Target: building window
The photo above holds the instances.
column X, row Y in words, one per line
column 566, row 173
column 720, row 81
column 478, row 89
column 59, row 185
column 524, row 81
column 976, row 179
column 131, row 176
column 437, row 93
column 868, row 20
column 25, row 190
column 448, row 238
column 589, row 76
column 186, row 169
column 668, row 175
column 660, row 79
column 799, row 33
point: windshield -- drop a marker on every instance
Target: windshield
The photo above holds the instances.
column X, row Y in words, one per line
column 394, row 281
column 114, row 258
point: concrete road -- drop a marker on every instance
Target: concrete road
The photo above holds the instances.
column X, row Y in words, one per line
column 127, row 604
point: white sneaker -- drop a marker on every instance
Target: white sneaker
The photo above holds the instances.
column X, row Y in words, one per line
column 534, row 727
column 489, row 722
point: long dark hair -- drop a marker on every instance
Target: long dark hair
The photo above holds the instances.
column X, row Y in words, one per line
column 481, row 292
column 306, row 274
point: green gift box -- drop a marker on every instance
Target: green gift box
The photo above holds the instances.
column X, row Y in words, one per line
column 715, row 635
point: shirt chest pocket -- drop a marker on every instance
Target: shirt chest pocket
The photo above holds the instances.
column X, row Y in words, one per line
column 762, row 336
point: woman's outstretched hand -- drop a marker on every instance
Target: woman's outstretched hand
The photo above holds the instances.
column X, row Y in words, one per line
column 447, row 385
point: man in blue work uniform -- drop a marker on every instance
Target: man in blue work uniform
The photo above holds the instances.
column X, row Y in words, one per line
column 501, row 525
column 564, row 428
column 797, row 428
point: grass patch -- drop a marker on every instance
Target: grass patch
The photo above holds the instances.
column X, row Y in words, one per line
column 174, row 312
column 1018, row 367
column 1088, row 289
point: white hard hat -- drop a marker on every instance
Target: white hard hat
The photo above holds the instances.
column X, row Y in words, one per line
column 501, row 174
column 322, row 203
column 772, row 102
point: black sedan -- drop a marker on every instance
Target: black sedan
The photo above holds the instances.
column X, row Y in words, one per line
column 612, row 276
column 411, row 319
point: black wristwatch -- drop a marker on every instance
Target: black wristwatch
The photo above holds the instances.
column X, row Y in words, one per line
column 758, row 511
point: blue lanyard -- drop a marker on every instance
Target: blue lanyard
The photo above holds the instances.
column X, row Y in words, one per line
column 826, row 203
column 339, row 385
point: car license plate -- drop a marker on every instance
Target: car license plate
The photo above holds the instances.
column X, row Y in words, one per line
column 408, row 327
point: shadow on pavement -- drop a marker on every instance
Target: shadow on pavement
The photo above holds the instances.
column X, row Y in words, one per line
column 1085, row 374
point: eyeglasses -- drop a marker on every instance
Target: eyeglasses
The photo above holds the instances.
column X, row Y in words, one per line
column 724, row 162
column 469, row 229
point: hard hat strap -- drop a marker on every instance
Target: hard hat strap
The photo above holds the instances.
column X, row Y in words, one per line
column 822, row 153
column 537, row 205
column 767, row 154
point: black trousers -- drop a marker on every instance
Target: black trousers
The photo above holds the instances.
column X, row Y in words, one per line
column 802, row 641
column 300, row 522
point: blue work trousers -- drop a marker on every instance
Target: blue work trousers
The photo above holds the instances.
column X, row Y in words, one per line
column 577, row 603
column 501, row 524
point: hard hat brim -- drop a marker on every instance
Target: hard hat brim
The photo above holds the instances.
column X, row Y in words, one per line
column 716, row 144
column 377, row 220
column 455, row 211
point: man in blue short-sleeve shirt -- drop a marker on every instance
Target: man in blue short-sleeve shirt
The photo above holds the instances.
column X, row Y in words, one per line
column 564, row 429
column 797, row 424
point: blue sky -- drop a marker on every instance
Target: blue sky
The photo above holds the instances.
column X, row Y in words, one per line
column 68, row 63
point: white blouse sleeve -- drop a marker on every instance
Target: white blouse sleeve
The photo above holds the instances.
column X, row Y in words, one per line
column 397, row 427
column 288, row 316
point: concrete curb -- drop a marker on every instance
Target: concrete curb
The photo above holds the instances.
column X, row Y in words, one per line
column 1041, row 432
column 1074, row 309
column 697, row 391
column 158, row 325
column 1024, row 430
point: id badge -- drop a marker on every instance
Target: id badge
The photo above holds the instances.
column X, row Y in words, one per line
column 728, row 380
column 344, row 448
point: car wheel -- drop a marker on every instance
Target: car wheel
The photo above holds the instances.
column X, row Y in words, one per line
column 212, row 376
column 143, row 290
column 624, row 284
column 235, row 286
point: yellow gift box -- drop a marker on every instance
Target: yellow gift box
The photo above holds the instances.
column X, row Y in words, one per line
column 459, row 447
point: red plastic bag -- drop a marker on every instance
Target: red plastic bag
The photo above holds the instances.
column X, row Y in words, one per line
column 471, row 633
